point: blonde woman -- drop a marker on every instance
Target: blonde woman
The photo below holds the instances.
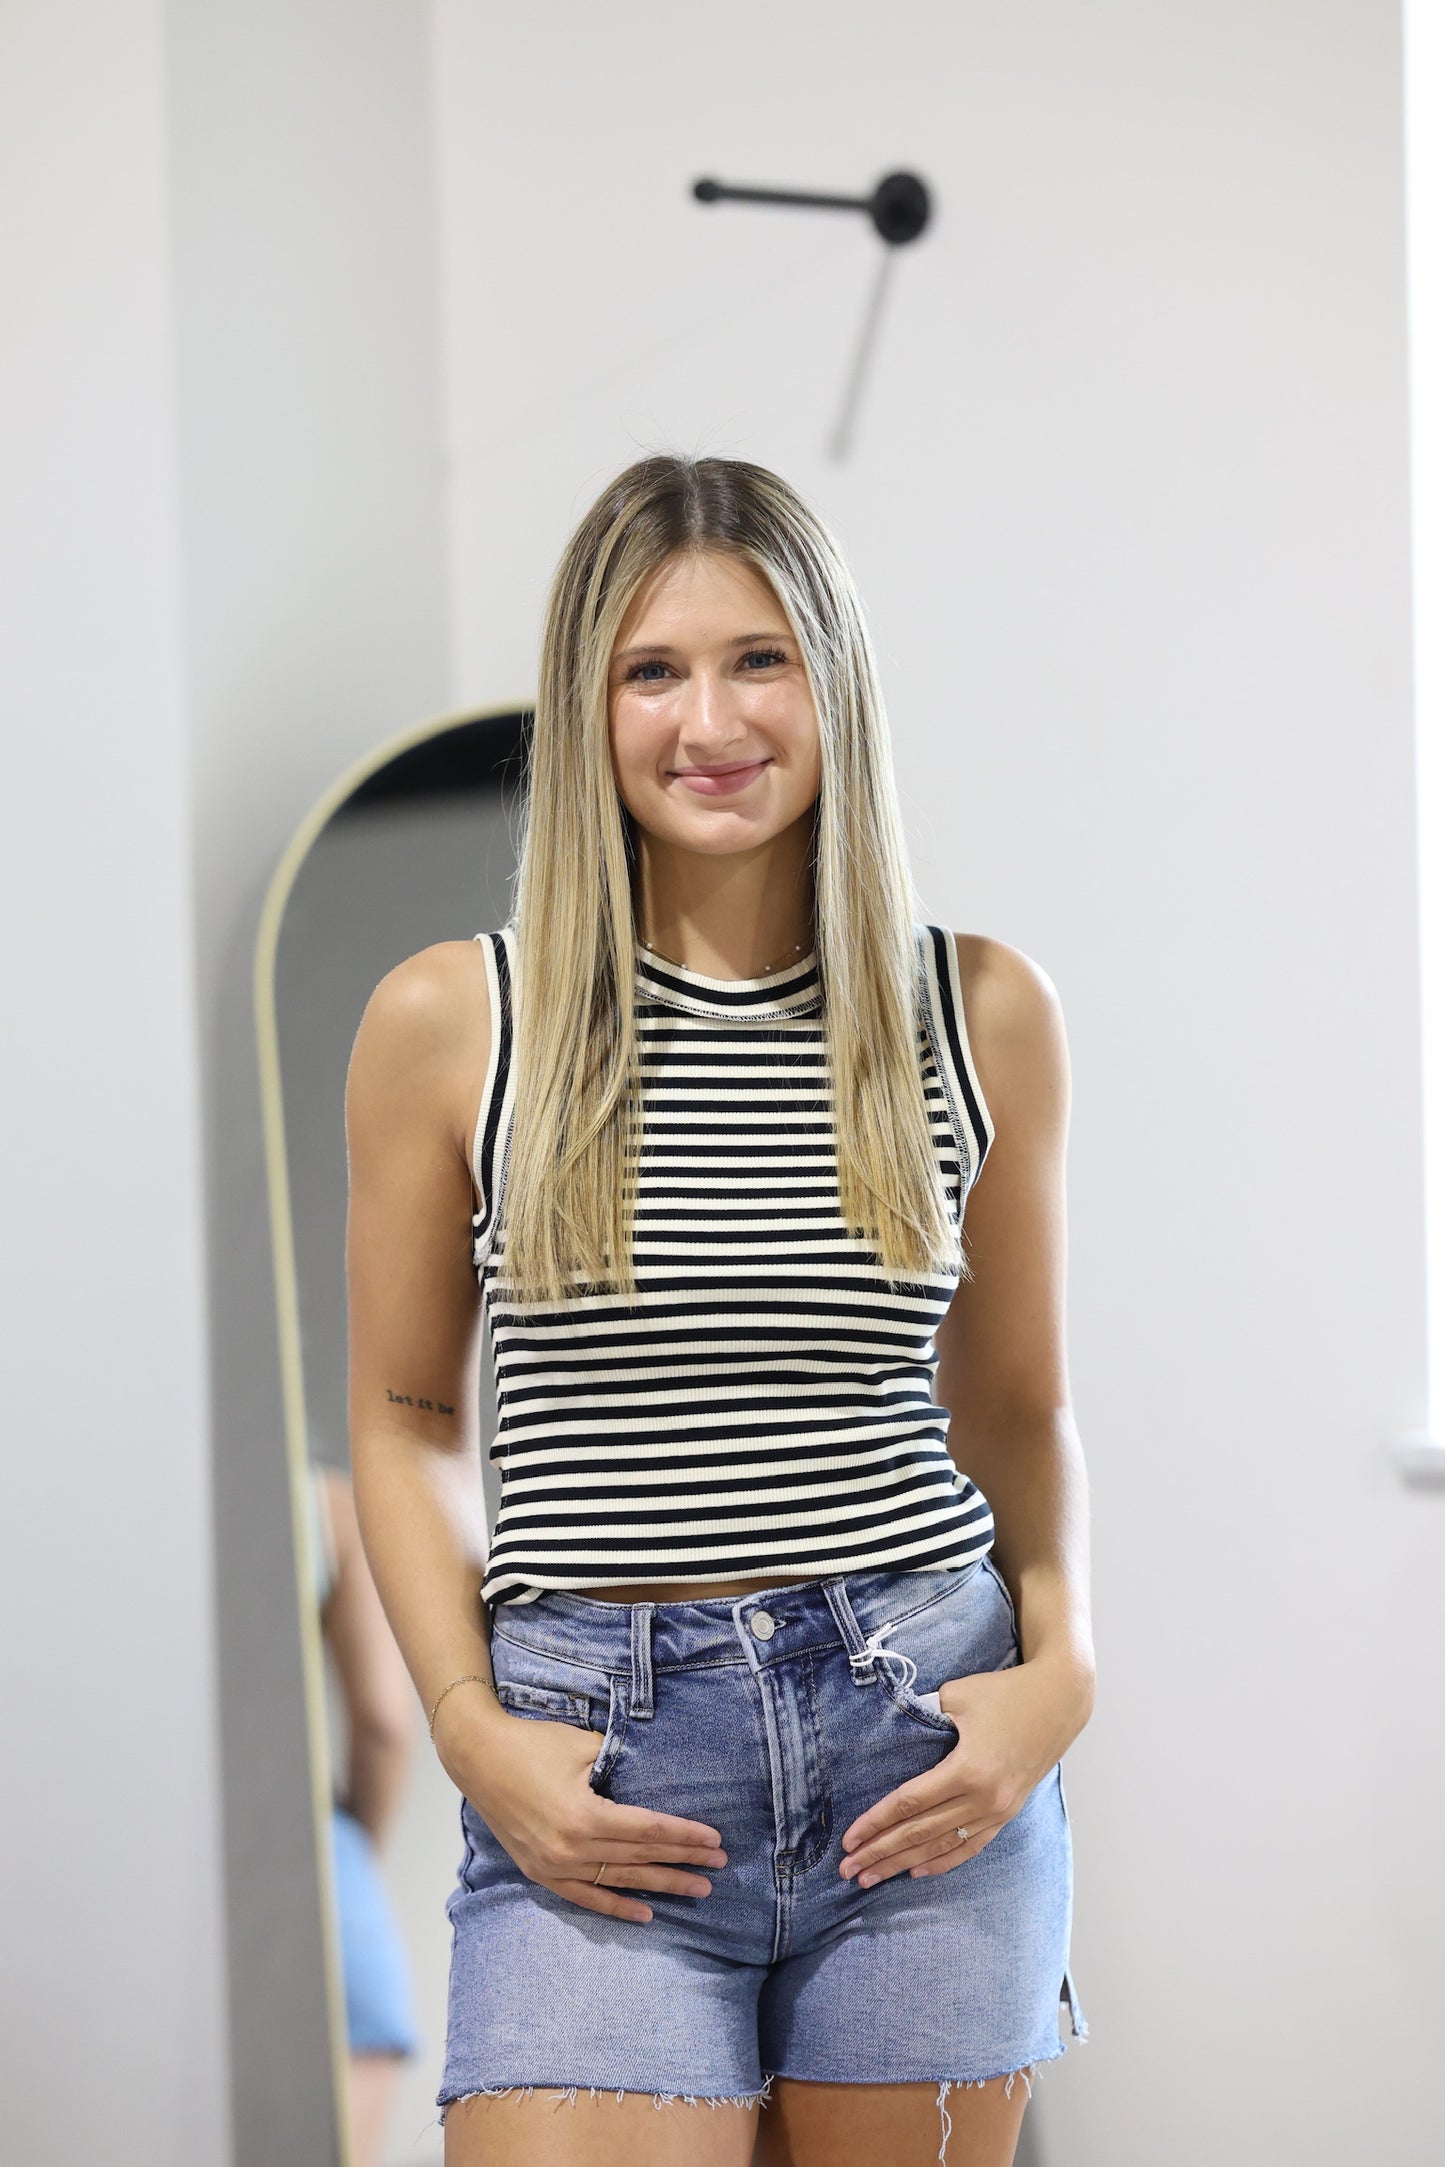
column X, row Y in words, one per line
column 757, row 1696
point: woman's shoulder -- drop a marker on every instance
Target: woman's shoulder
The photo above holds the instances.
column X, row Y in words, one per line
column 430, row 1014
column 1000, row 978
column 1012, row 1005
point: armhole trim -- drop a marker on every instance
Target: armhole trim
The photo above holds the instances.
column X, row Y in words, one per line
column 973, row 1124
column 492, row 1133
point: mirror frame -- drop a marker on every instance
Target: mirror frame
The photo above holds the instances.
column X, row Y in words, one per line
column 288, row 1337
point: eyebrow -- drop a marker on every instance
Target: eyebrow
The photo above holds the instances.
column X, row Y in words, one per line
column 659, row 647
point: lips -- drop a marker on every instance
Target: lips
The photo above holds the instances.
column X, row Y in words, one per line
column 720, row 782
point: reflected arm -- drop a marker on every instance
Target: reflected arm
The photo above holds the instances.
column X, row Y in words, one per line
column 380, row 1709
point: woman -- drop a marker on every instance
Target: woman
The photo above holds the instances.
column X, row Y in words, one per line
column 699, row 1123
column 377, row 1714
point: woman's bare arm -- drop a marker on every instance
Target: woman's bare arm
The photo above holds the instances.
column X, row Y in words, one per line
column 415, row 1321
column 1003, row 1368
column 416, row 1468
column 1003, row 1375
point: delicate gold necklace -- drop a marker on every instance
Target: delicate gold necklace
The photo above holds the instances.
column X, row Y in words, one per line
column 798, row 948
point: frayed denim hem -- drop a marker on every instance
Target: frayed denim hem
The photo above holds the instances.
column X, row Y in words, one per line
column 619, row 2092
column 1078, row 2025
column 1079, row 2029
column 963, row 2084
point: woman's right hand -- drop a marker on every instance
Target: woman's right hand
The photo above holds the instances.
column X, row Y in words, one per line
column 527, row 1778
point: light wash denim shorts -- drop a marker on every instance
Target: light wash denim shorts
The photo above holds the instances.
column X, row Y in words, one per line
column 777, row 1718
column 380, row 2017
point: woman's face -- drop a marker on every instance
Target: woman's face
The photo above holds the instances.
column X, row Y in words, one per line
column 713, row 731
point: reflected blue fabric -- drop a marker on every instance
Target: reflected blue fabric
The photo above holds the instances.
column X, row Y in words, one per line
column 776, row 1717
column 379, row 2015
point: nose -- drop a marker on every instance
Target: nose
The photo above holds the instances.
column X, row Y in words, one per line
column 712, row 727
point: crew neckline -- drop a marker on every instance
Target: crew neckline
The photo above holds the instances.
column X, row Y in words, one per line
column 793, row 987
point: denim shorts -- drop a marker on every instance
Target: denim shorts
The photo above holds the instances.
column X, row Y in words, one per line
column 777, row 1718
column 380, row 2018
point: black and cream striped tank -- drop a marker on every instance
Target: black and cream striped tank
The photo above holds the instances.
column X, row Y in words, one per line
column 764, row 1405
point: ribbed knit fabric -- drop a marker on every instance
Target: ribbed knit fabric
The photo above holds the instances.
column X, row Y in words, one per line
column 766, row 1405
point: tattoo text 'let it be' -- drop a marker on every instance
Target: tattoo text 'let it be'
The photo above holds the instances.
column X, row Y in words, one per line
column 431, row 1407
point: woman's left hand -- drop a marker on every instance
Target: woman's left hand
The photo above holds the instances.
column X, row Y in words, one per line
column 1013, row 1725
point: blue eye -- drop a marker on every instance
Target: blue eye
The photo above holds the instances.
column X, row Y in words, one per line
column 768, row 657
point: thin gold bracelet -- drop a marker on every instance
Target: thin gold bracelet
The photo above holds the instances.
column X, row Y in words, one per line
column 472, row 1678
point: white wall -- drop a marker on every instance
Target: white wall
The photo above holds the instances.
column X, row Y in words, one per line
column 1424, row 36
column 306, row 343
column 1128, row 503
column 223, row 561
column 112, row 1936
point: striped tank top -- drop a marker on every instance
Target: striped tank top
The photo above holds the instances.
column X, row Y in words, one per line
column 765, row 1404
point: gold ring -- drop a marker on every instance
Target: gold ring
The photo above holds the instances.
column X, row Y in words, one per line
column 600, row 1872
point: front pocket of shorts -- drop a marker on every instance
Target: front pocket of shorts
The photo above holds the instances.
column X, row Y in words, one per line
column 1001, row 1585
column 546, row 1701
column 921, row 1708
column 544, row 1686
column 538, row 1703
column 613, row 1731
column 919, row 1702
column 961, row 1633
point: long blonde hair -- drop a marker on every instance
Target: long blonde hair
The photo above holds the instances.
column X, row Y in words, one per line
column 576, row 1123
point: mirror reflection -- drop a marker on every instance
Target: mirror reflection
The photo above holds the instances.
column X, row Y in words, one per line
column 419, row 851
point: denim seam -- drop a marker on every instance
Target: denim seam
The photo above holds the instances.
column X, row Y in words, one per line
column 799, row 1862
column 938, row 1726
column 547, row 1697
column 785, row 1892
column 620, row 1705
column 568, row 2092
column 615, row 1670
column 557, row 1655
column 1003, row 1585
column 930, row 1602
column 624, row 1670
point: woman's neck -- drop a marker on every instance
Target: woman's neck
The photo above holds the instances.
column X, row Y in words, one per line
column 746, row 923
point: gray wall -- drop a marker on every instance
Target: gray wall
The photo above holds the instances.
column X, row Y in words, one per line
column 378, row 886
column 1128, row 505
column 305, row 319
column 112, row 1934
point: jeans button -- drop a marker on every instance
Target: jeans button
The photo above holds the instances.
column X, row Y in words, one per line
column 762, row 1624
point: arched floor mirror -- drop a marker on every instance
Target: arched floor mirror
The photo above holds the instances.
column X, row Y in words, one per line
column 415, row 844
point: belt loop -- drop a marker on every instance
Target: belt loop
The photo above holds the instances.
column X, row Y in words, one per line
column 640, row 1702
column 836, row 1590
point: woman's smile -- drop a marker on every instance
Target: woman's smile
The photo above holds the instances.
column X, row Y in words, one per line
column 719, row 782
